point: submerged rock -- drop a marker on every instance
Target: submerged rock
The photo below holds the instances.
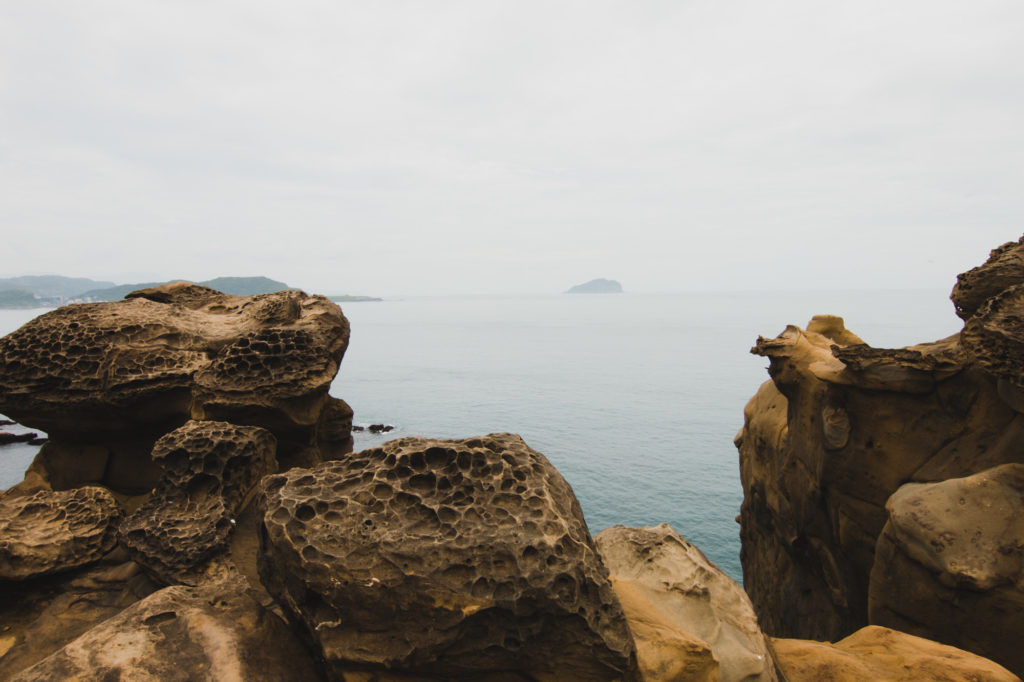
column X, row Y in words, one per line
column 210, row 469
column 877, row 653
column 690, row 621
column 444, row 559
column 48, row 532
column 116, row 376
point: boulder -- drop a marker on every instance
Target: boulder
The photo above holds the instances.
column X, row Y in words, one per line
column 116, row 376
column 881, row 654
column 950, row 563
column 690, row 621
column 210, row 470
column 48, row 532
column 215, row 633
column 7, row 438
column 1003, row 269
column 457, row 559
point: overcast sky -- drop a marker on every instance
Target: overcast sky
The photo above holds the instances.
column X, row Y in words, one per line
column 505, row 147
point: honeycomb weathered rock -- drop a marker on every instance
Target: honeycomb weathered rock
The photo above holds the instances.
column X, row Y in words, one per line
column 51, row 531
column 1003, row 269
column 127, row 372
column 446, row 559
column 209, row 471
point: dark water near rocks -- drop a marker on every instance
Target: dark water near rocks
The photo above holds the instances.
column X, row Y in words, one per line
column 635, row 398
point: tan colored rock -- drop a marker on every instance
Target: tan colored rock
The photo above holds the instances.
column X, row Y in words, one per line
column 119, row 375
column 210, row 470
column 950, row 563
column 48, row 531
column 444, row 559
column 882, row 655
column 1003, row 269
column 689, row 619
column 214, row 633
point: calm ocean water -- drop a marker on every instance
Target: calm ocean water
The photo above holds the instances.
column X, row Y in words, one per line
column 635, row 398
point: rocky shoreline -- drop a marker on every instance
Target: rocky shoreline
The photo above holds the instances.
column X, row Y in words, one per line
column 198, row 513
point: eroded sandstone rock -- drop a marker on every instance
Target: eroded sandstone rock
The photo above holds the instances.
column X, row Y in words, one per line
column 462, row 559
column 950, row 563
column 116, row 376
column 1003, row 269
column 215, row 633
column 209, row 471
column 690, row 621
column 878, row 653
column 48, row 532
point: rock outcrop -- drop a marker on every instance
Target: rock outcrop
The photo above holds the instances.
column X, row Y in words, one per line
column 105, row 380
column 214, row 633
column 877, row 653
column 210, row 471
column 836, row 432
column 49, row 532
column 690, row 621
column 462, row 559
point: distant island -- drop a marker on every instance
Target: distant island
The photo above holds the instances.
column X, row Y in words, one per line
column 40, row 291
column 597, row 286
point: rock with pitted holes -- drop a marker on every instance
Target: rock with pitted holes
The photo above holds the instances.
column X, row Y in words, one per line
column 950, row 563
column 209, row 470
column 116, row 376
column 690, row 621
column 214, row 633
column 1003, row 269
column 48, row 531
column 457, row 559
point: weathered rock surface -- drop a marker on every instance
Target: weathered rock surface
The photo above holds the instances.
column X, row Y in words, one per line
column 49, row 532
column 40, row 615
column 214, row 633
column 210, row 470
column 115, row 376
column 950, row 563
column 690, row 621
column 883, row 655
column 840, row 428
column 463, row 559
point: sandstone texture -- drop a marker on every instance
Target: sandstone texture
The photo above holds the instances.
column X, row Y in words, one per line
column 841, row 427
column 950, row 563
column 883, row 655
column 210, row 470
column 49, row 532
column 105, row 380
column 213, row 633
column 460, row 559
column 690, row 621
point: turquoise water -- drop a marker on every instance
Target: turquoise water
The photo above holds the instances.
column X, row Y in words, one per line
column 635, row 398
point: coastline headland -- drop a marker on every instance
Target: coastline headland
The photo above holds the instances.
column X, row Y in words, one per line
column 199, row 509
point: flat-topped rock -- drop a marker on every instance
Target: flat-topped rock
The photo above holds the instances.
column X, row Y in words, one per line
column 451, row 559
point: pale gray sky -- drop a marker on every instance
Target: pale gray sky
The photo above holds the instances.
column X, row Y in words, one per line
column 502, row 147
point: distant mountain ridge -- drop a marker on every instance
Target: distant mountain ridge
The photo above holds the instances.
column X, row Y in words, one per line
column 52, row 286
column 237, row 286
column 597, row 286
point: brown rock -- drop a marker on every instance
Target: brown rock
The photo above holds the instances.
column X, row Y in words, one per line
column 444, row 559
column 994, row 338
column 950, row 563
column 690, row 621
column 334, row 431
column 883, row 655
column 41, row 615
column 826, row 442
column 48, row 531
column 209, row 471
column 119, row 375
column 214, row 633
column 1003, row 269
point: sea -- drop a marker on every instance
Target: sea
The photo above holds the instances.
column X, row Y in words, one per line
column 635, row 398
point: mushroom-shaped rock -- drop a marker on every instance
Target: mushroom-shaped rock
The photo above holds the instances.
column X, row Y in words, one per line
column 209, row 471
column 48, row 531
column 690, row 620
column 211, row 634
column 877, row 653
column 1003, row 269
column 446, row 559
column 121, row 374
column 950, row 563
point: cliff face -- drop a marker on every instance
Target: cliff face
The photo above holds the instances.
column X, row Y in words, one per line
column 832, row 446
